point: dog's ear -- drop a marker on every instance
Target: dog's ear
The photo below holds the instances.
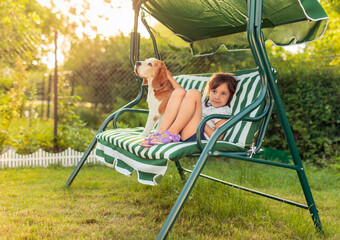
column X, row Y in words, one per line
column 145, row 82
column 160, row 80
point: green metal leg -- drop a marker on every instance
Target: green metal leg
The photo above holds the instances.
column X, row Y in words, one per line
column 180, row 170
column 259, row 52
column 295, row 154
column 185, row 193
column 292, row 145
column 87, row 152
column 81, row 162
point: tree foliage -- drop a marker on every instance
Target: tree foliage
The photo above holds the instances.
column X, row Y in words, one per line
column 17, row 32
column 329, row 44
column 22, row 25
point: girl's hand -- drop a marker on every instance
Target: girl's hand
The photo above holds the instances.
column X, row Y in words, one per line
column 219, row 124
column 209, row 131
column 168, row 74
column 172, row 80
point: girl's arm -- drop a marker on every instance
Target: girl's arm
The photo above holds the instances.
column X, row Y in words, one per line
column 172, row 80
column 209, row 131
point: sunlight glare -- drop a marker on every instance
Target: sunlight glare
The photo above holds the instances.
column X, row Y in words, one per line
column 49, row 59
column 105, row 19
column 298, row 48
column 109, row 19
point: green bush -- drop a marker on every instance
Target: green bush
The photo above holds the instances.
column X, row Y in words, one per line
column 12, row 98
column 28, row 137
column 91, row 117
column 29, row 133
column 311, row 100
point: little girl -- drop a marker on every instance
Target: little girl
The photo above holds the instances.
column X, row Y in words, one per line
column 185, row 110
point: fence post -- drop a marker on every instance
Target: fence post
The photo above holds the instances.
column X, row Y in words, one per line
column 49, row 95
column 55, row 85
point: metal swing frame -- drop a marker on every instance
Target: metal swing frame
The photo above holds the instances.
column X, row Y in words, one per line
column 258, row 49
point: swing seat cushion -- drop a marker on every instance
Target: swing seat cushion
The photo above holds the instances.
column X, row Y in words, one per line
column 120, row 148
column 128, row 139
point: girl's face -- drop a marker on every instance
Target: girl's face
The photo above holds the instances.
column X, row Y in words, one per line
column 219, row 96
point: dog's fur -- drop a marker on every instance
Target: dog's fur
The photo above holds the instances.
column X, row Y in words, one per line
column 154, row 74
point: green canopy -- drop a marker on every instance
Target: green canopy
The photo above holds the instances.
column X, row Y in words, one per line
column 209, row 24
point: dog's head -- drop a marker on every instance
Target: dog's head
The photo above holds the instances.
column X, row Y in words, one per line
column 153, row 72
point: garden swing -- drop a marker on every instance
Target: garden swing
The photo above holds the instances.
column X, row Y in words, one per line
column 208, row 25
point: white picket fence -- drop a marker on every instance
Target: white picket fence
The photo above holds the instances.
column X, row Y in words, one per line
column 69, row 157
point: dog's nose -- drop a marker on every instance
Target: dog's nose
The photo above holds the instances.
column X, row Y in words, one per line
column 138, row 63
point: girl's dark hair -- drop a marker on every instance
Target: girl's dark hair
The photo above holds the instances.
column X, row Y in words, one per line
column 216, row 80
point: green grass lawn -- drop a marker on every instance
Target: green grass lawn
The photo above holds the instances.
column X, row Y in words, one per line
column 103, row 204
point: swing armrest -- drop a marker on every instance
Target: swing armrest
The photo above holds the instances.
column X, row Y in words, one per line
column 123, row 110
column 222, row 116
column 202, row 124
column 225, row 126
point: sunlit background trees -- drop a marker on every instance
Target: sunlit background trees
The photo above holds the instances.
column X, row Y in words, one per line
column 95, row 76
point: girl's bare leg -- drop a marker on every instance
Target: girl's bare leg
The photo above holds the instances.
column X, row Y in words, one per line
column 189, row 115
column 172, row 108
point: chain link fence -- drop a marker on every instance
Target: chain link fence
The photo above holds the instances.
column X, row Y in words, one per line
column 104, row 86
column 101, row 75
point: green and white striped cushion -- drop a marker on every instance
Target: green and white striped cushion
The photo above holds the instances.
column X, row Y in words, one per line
column 128, row 139
column 120, row 147
column 149, row 171
column 248, row 88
